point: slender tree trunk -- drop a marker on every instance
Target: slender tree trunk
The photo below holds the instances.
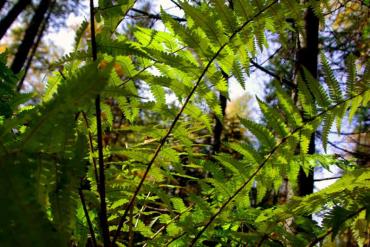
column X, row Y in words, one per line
column 34, row 48
column 30, row 36
column 217, row 131
column 12, row 15
column 307, row 58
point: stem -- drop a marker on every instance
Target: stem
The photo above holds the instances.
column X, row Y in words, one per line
column 164, row 139
column 325, row 179
column 101, row 188
column 91, row 229
column 277, row 77
column 91, row 149
column 130, row 229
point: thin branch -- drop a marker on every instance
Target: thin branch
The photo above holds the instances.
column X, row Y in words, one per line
column 349, row 133
column 347, row 151
column 325, row 179
column 101, row 188
column 156, row 16
column 130, row 229
column 283, row 80
column 164, row 139
column 178, row 5
column 272, row 55
column 262, row 164
column 91, row 229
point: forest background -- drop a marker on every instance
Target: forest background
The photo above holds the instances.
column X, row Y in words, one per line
column 130, row 140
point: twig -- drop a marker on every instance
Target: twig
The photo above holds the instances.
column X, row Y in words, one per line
column 101, row 188
column 325, row 179
column 349, row 133
column 164, row 139
column 91, row 229
column 156, row 16
column 283, row 80
column 130, row 229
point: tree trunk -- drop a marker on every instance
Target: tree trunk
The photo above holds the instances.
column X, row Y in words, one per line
column 34, row 48
column 307, row 58
column 8, row 20
column 217, row 131
column 29, row 36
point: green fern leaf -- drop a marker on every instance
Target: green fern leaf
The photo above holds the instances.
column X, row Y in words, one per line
column 351, row 75
column 334, row 88
column 275, row 121
column 328, row 122
column 305, row 98
column 208, row 23
column 261, row 132
column 290, row 110
column 79, row 34
column 238, row 73
column 226, row 15
column 316, row 89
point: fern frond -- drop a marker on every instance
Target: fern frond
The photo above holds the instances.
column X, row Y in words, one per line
column 317, row 90
column 238, row 73
column 249, row 153
column 334, row 88
column 188, row 36
column 206, row 22
column 305, row 98
column 68, row 178
column 290, row 110
column 79, row 34
column 52, row 86
column 261, row 132
column 226, row 15
column 328, row 122
column 274, row 120
column 351, row 75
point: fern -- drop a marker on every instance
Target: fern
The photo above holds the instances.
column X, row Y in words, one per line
column 331, row 81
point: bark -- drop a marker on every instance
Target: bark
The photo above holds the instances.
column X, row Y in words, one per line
column 307, row 58
column 12, row 15
column 34, row 48
column 217, row 131
column 30, row 36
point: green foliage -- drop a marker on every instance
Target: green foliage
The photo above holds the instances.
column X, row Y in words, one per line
column 159, row 90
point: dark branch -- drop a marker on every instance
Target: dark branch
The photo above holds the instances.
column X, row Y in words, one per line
column 325, row 179
column 103, row 204
column 156, row 16
column 282, row 80
column 91, row 229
